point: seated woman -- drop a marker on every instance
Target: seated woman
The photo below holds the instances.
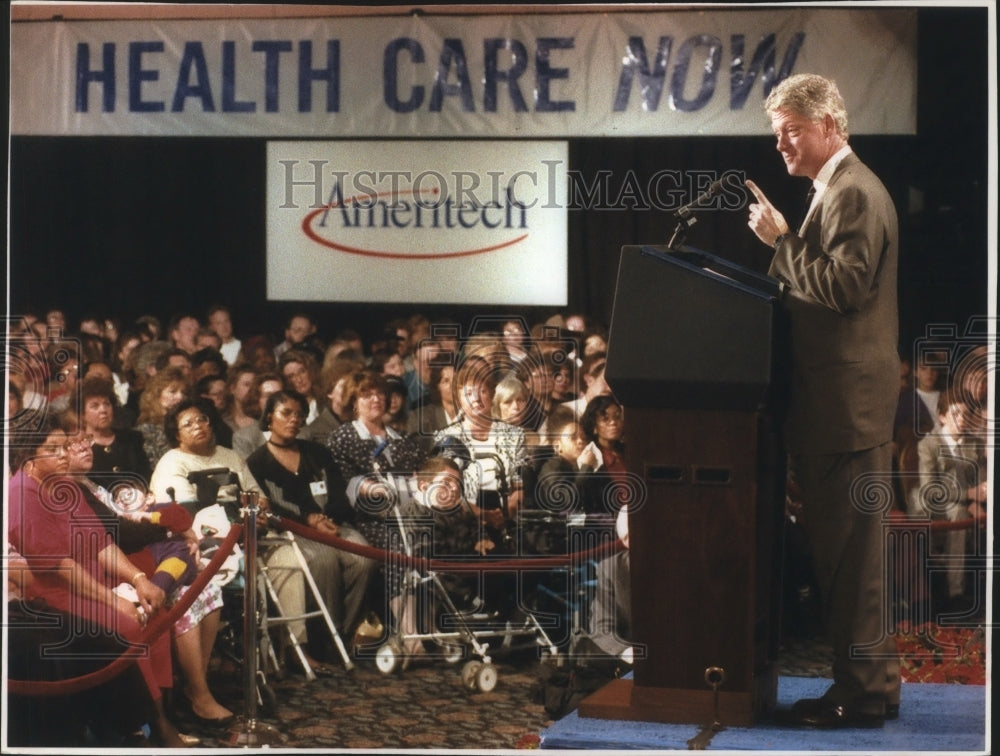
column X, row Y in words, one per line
column 110, row 714
column 397, row 413
column 215, row 390
column 164, row 390
column 303, row 484
column 494, row 451
column 332, row 413
column 75, row 563
column 121, row 364
column 300, row 372
column 189, row 432
column 159, row 540
column 250, row 437
column 604, row 488
column 368, row 453
column 239, row 381
column 118, row 454
column 439, row 409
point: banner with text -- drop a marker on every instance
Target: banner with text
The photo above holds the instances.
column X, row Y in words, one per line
column 449, row 222
column 670, row 72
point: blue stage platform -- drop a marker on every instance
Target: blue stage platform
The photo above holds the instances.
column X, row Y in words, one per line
column 932, row 718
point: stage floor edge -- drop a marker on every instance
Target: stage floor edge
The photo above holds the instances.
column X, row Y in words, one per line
column 933, row 717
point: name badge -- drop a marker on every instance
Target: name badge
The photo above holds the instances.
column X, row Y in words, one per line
column 318, row 488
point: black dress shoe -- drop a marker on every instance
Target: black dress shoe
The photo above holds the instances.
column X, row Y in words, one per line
column 821, row 713
column 210, row 725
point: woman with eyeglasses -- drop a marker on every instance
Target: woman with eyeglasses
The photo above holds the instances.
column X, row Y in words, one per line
column 304, row 485
column 189, row 431
column 74, row 561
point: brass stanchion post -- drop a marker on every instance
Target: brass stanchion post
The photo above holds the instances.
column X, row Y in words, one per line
column 248, row 731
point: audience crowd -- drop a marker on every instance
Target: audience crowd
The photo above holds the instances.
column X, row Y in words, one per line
column 329, row 430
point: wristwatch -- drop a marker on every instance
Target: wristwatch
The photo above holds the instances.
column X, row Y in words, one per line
column 779, row 238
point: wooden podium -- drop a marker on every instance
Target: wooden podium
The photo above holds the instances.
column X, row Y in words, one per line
column 691, row 349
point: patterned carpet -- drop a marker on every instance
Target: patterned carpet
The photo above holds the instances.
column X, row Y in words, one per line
column 427, row 706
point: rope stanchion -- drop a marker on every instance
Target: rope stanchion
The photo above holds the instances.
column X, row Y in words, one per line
column 160, row 624
column 535, row 563
column 248, row 731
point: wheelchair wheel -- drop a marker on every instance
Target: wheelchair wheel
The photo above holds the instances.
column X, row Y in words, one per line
column 486, row 678
column 387, row 658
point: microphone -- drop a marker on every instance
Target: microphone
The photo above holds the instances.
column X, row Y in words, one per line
column 728, row 181
column 382, row 446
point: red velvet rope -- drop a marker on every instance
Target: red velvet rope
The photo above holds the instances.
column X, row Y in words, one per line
column 422, row 563
column 902, row 520
column 163, row 621
column 160, row 624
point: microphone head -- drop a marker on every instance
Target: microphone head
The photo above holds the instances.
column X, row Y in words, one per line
column 726, row 182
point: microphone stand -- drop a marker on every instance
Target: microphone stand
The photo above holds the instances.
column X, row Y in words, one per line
column 248, row 731
column 685, row 219
column 504, row 490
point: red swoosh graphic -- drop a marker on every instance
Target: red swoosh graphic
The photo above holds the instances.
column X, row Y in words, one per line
column 308, row 231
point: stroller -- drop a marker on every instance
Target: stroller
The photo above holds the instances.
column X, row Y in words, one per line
column 445, row 611
column 450, row 615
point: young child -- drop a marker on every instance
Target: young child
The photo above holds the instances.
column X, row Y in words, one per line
column 557, row 489
column 438, row 523
column 952, row 466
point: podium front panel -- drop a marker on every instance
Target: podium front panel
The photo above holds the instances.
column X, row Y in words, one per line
column 685, row 336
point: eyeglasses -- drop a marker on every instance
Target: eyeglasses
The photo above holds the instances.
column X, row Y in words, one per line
column 52, row 450
column 288, row 413
column 79, row 444
column 192, row 421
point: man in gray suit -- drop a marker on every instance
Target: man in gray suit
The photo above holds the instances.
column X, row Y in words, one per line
column 953, row 486
column 838, row 277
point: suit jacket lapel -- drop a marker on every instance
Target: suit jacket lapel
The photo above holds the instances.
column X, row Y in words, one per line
column 837, row 173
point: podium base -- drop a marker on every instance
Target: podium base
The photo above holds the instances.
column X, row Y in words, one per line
column 623, row 699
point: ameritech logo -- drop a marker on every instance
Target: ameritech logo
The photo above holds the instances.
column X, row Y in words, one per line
column 420, row 216
column 459, row 221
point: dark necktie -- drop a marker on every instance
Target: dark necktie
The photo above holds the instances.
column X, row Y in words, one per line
column 809, row 198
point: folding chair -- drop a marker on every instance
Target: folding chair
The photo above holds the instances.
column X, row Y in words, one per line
column 268, row 545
